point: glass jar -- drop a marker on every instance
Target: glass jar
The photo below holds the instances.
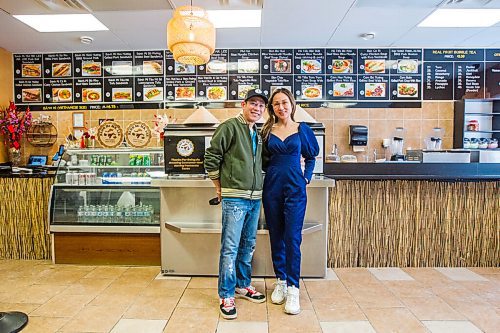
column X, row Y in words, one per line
column 473, row 125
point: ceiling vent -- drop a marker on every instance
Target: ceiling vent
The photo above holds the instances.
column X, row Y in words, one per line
column 464, row 3
column 63, row 5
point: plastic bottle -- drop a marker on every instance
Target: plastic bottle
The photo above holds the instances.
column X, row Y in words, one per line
column 86, row 213
column 118, row 214
column 111, row 214
column 80, row 214
column 127, row 214
column 93, row 214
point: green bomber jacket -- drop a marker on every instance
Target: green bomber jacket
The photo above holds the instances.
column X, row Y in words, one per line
column 230, row 158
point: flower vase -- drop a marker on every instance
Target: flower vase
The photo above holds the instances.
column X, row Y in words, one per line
column 15, row 156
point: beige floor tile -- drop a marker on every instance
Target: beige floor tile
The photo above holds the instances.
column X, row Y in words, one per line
column 148, row 272
column 112, row 300
column 305, row 321
column 486, row 318
column 199, row 298
column 21, row 307
column 44, row 324
column 394, row 320
column 485, row 270
column 355, row 276
column 427, row 276
column 242, row 326
column 125, row 290
column 347, row 327
column 203, row 282
column 165, row 285
column 160, row 276
column 106, row 272
column 325, row 289
column 139, row 325
column 132, row 280
column 93, row 319
column 431, row 308
column 374, row 297
column 451, row 326
column 151, row 307
column 188, row 320
column 331, row 310
column 487, row 290
column 342, row 300
column 87, row 287
column 62, row 276
column 39, row 293
column 408, row 289
column 63, row 306
column 248, row 311
column 460, row 274
column 390, row 274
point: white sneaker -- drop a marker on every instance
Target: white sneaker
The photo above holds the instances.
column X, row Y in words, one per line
column 292, row 305
column 279, row 294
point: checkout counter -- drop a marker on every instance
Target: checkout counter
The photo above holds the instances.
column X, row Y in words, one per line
column 190, row 228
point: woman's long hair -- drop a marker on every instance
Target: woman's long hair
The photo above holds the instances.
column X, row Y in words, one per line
column 273, row 119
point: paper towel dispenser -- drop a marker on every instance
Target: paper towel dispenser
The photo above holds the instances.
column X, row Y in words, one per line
column 358, row 135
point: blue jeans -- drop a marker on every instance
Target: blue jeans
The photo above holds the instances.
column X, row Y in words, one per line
column 239, row 232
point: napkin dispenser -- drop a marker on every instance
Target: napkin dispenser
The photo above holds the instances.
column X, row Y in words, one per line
column 358, row 135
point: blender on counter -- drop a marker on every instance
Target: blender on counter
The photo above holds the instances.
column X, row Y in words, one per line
column 397, row 143
column 435, row 139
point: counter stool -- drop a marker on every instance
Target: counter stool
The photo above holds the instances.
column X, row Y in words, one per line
column 12, row 322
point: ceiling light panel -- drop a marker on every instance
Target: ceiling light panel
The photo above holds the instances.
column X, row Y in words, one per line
column 62, row 22
column 465, row 18
column 235, row 18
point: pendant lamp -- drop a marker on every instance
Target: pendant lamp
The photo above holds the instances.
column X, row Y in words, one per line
column 190, row 35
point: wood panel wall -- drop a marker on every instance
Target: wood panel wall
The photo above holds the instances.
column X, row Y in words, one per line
column 396, row 223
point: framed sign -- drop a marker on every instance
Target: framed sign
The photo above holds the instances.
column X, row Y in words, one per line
column 138, row 134
column 110, row 134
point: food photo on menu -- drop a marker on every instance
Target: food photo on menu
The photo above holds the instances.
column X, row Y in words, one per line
column 91, row 95
column 374, row 66
column 375, row 89
column 152, row 67
column 153, row 94
column 217, row 67
column 273, row 88
column 407, row 66
column 32, row 95
column 184, row 68
column 61, row 95
column 244, row 88
column 185, row 93
column 121, row 68
column 342, row 65
column 248, row 66
column 312, row 92
column 343, row 89
column 281, row 66
column 61, row 69
column 407, row 89
column 121, row 94
column 216, row 93
column 31, row 70
column 310, row 66
column 91, row 68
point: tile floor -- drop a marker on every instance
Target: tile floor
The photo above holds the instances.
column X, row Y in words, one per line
column 71, row 298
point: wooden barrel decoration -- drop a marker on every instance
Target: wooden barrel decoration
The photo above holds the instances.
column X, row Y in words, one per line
column 42, row 134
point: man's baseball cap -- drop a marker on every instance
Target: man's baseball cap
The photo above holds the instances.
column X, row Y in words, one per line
column 256, row 93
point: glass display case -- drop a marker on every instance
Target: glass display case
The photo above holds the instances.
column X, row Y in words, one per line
column 106, row 190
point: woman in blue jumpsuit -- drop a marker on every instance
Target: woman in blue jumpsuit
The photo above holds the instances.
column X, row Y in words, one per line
column 284, row 193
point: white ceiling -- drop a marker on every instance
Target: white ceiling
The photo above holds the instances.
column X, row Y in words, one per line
column 141, row 24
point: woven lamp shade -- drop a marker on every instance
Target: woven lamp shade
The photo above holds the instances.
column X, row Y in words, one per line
column 191, row 36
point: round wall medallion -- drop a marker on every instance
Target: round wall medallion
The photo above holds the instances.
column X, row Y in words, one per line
column 138, row 134
column 110, row 134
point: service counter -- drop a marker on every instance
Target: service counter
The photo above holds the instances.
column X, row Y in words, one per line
column 191, row 229
column 24, row 202
column 414, row 214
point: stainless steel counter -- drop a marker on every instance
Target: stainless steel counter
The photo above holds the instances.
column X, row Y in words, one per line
column 190, row 229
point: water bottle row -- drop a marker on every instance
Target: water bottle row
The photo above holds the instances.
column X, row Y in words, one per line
column 116, row 214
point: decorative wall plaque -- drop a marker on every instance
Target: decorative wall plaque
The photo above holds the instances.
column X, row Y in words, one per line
column 110, row 134
column 138, row 134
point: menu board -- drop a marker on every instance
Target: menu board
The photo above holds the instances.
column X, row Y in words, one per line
column 147, row 79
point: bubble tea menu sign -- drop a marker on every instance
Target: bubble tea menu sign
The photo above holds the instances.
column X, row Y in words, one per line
column 149, row 79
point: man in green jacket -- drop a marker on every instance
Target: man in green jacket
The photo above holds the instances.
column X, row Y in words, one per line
column 234, row 163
